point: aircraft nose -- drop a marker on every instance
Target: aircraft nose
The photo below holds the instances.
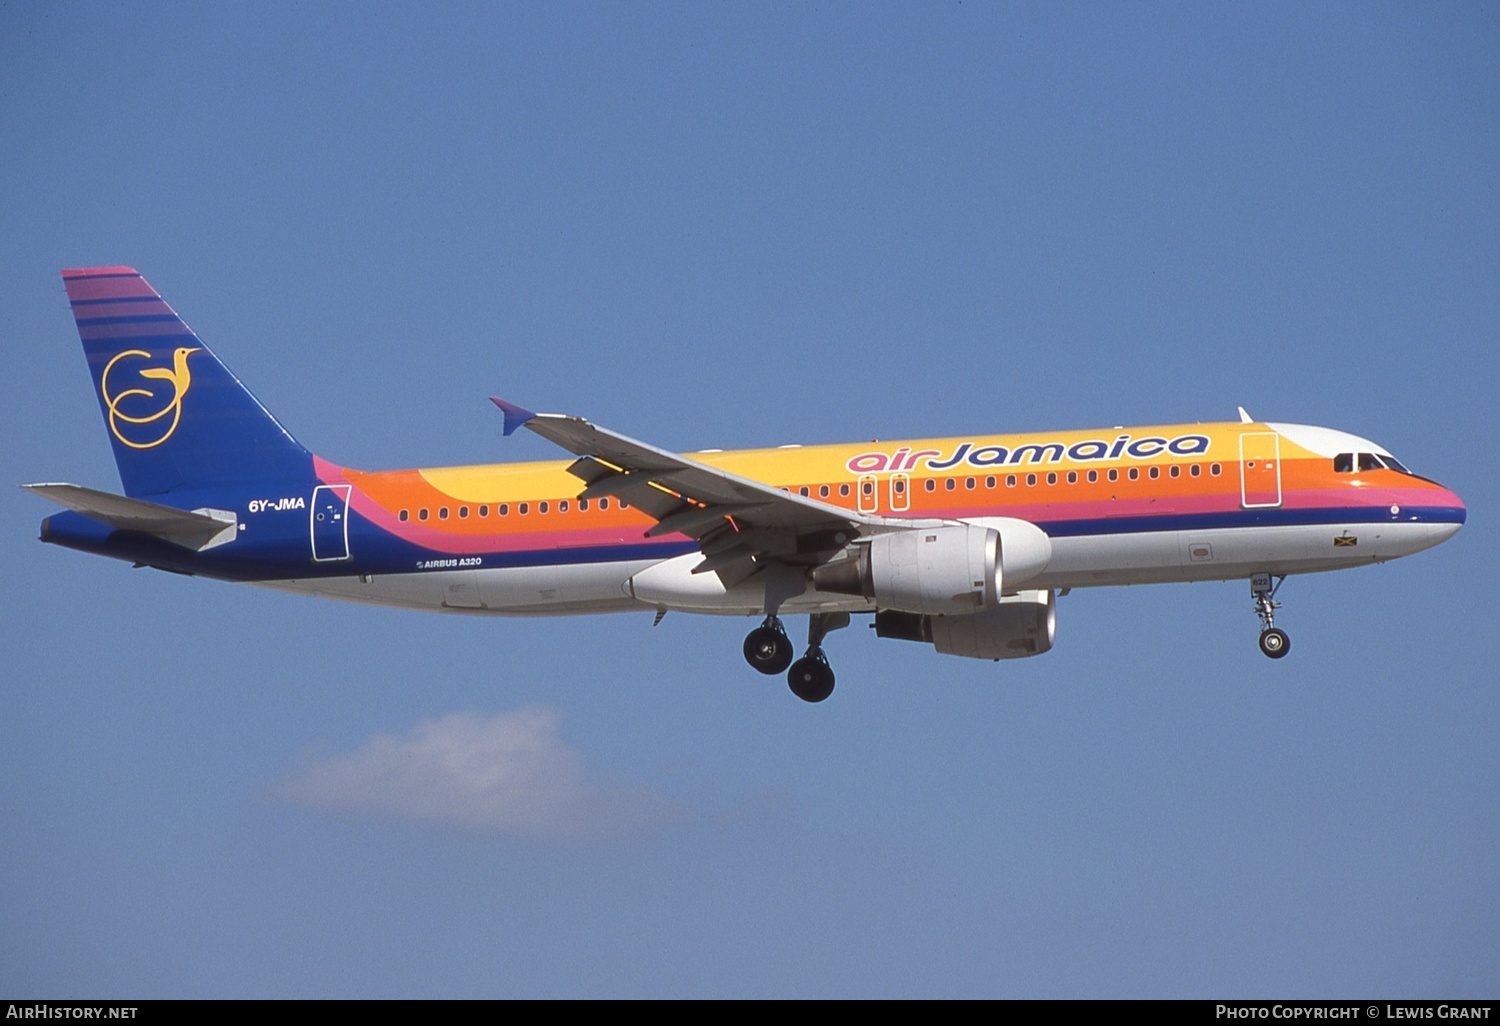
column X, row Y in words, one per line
column 1450, row 513
column 1460, row 511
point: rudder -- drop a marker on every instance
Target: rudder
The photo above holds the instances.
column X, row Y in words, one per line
column 176, row 416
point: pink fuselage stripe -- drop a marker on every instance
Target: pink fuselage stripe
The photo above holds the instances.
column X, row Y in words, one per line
column 529, row 534
column 505, row 538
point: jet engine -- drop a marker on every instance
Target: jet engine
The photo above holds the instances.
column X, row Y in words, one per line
column 948, row 570
column 951, row 569
column 1017, row 626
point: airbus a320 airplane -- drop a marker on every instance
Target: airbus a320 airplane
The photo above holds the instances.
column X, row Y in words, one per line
column 962, row 543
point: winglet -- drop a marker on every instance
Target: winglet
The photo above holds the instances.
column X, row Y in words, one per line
column 1245, row 418
column 515, row 416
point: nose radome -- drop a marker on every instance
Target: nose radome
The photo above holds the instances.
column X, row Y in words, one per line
column 1460, row 511
column 1452, row 516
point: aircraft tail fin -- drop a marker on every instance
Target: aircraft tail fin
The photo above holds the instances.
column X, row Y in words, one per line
column 176, row 416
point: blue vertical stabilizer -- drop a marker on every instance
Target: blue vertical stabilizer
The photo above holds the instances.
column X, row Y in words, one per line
column 176, row 416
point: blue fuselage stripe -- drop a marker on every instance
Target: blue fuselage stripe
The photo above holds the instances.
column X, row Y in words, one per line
column 1252, row 518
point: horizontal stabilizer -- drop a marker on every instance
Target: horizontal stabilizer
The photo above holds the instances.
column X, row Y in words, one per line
column 198, row 530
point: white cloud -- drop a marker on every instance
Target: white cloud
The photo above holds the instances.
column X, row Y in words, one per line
column 508, row 773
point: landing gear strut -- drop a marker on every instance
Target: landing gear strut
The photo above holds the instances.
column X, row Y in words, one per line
column 811, row 678
column 767, row 648
column 1273, row 640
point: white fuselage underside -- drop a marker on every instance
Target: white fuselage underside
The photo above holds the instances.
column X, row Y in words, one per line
column 1077, row 562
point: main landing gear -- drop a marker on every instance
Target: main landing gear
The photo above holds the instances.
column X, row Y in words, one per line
column 1273, row 640
column 769, row 650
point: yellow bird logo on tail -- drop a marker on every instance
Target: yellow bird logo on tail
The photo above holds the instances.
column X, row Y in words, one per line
column 138, row 402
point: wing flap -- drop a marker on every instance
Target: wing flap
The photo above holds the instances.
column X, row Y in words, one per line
column 695, row 520
column 728, row 557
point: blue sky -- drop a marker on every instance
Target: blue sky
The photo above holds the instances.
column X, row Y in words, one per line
column 742, row 225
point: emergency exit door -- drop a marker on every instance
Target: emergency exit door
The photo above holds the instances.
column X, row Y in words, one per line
column 330, row 522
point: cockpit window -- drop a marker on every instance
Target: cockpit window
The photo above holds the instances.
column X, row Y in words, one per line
column 1348, row 462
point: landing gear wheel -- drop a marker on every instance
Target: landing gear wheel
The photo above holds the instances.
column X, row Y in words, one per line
column 811, row 678
column 1274, row 642
column 768, row 649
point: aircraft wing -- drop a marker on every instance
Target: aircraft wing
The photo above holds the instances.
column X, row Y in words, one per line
column 735, row 520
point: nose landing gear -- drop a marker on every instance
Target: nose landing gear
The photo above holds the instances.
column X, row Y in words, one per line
column 1273, row 640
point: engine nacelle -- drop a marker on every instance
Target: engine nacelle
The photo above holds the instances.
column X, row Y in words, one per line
column 1017, row 626
column 953, row 569
column 1025, row 549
